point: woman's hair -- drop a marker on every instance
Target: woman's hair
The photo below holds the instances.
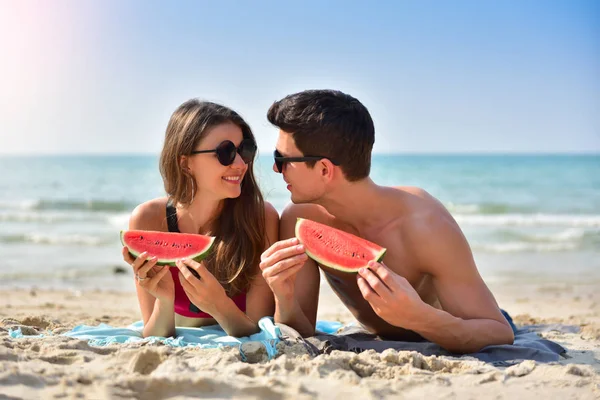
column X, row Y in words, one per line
column 239, row 229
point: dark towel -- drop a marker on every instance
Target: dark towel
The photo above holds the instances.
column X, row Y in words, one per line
column 528, row 345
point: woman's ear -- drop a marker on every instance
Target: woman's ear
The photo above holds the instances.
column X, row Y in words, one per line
column 183, row 164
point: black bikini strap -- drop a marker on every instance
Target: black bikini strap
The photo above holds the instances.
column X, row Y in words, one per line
column 172, row 217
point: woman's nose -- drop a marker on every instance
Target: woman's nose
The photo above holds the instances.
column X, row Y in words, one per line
column 238, row 162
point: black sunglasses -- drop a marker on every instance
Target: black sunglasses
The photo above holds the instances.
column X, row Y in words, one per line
column 280, row 160
column 226, row 151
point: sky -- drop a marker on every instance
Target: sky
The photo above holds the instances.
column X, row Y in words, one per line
column 436, row 76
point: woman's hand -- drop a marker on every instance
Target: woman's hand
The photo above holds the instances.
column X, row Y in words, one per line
column 155, row 279
column 205, row 293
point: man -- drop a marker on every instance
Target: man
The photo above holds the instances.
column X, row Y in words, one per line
column 427, row 287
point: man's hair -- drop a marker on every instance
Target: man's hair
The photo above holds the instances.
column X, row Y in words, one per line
column 331, row 124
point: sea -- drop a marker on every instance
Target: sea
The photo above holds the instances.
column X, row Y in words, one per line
column 527, row 217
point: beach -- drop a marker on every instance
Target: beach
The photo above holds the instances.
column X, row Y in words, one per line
column 533, row 223
column 61, row 367
column 110, row 111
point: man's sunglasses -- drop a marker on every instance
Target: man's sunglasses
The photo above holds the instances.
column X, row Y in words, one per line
column 280, row 160
column 226, row 151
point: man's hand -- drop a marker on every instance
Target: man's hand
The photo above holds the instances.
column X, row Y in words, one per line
column 205, row 293
column 390, row 295
column 280, row 264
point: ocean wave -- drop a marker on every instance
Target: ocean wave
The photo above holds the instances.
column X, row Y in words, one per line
column 120, row 221
column 48, row 217
column 515, row 240
column 89, row 205
column 558, row 220
column 487, row 208
column 17, row 205
column 49, row 239
column 568, row 235
column 521, row 247
column 63, row 205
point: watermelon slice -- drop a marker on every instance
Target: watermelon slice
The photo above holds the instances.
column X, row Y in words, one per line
column 167, row 246
column 336, row 249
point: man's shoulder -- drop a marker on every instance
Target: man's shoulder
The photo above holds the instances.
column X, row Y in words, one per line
column 309, row 211
column 412, row 191
column 423, row 215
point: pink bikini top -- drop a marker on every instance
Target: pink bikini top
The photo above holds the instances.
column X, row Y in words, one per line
column 183, row 305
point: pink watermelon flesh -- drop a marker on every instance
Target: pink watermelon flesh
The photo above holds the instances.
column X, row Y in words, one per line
column 168, row 247
column 336, row 249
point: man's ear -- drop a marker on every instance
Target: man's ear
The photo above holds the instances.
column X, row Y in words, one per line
column 327, row 169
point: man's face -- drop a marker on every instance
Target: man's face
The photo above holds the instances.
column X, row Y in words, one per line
column 304, row 183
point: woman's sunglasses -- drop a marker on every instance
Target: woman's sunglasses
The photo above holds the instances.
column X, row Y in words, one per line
column 280, row 160
column 226, row 151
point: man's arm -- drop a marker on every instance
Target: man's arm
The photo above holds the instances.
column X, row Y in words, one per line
column 292, row 276
column 470, row 318
column 305, row 301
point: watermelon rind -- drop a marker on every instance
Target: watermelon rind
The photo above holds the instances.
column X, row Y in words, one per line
column 197, row 256
column 323, row 261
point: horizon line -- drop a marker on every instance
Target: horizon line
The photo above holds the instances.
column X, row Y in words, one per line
column 375, row 153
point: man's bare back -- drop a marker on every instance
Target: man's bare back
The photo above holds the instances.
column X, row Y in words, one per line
column 404, row 215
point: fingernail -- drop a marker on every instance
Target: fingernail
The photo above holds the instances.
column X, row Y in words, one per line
column 300, row 247
column 371, row 263
column 362, row 270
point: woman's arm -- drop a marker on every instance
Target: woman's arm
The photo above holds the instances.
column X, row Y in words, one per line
column 260, row 301
column 208, row 294
column 158, row 315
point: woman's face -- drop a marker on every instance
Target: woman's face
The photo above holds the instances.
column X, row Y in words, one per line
column 214, row 179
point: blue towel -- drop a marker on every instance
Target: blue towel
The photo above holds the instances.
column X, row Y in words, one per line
column 329, row 327
column 206, row 337
column 333, row 335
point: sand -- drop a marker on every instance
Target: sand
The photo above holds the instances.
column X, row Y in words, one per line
column 61, row 367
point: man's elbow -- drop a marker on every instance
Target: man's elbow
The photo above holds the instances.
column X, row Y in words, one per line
column 506, row 335
column 501, row 334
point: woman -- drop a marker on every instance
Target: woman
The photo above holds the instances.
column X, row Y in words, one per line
column 206, row 165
